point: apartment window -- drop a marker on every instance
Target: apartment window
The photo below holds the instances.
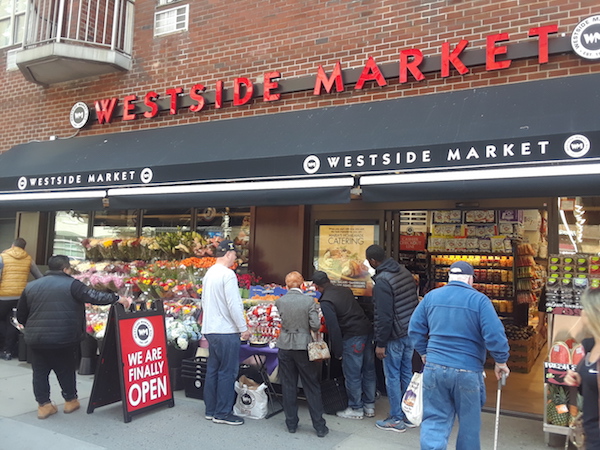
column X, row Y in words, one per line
column 171, row 20
column 12, row 21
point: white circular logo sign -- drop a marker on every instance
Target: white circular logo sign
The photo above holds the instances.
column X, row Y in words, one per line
column 80, row 113
column 143, row 332
column 585, row 39
column 22, row 183
column 577, row 146
column 146, row 175
column 311, row 164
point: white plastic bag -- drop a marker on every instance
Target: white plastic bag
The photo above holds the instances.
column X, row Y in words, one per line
column 251, row 402
column 412, row 401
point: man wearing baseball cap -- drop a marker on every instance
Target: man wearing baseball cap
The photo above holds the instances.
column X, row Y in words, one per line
column 223, row 324
column 451, row 329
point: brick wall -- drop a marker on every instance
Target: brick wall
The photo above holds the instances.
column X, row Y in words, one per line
column 248, row 38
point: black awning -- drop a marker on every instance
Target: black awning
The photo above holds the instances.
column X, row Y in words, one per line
column 280, row 146
column 566, row 186
column 77, row 204
column 309, row 196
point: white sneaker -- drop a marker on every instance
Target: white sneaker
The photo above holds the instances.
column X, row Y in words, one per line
column 369, row 412
column 350, row 413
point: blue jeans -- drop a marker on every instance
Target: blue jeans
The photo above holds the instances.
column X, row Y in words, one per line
column 358, row 364
column 397, row 367
column 221, row 373
column 449, row 392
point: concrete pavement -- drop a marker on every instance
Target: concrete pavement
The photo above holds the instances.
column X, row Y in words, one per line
column 184, row 426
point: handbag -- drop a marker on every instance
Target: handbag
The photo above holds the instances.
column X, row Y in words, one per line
column 412, row 401
column 317, row 349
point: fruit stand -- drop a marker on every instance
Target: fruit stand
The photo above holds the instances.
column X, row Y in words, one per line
column 569, row 276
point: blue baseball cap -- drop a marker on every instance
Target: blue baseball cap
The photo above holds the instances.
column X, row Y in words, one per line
column 224, row 247
column 461, row 268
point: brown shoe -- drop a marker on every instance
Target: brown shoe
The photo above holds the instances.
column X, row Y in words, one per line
column 71, row 405
column 45, row 411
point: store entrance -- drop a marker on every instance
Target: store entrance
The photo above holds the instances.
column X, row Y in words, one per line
column 508, row 249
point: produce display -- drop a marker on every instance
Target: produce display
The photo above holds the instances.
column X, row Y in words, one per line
column 568, row 277
column 558, row 410
column 568, row 352
column 518, row 332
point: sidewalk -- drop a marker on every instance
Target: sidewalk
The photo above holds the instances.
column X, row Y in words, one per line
column 184, row 426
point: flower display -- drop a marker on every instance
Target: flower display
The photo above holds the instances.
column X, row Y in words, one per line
column 176, row 283
column 176, row 245
column 247, row 279
column 182, row 322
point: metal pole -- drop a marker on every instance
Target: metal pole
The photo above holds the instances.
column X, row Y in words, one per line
column 61, row 8
column 114, row 27
column 501, row 382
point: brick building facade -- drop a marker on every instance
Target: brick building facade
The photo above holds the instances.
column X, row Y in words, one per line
column 248, row 39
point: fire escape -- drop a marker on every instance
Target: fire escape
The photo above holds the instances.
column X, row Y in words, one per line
column 67, row 40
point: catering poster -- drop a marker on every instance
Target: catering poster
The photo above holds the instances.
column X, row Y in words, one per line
column 341, row 254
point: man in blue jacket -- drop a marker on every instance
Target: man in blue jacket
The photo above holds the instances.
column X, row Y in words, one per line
column 451, row 329
column 395, row 298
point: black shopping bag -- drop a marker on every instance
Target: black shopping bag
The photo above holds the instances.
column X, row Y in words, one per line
column 333, row 393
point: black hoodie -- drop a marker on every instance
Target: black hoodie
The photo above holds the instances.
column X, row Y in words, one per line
column 395, row 297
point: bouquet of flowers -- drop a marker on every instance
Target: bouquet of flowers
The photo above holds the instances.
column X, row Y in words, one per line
column 97, row 317
column 247, row 279
column 181, row 331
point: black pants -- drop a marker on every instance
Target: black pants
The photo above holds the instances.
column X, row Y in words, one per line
column 7, row 330
column 294, row 363
column 63, row 361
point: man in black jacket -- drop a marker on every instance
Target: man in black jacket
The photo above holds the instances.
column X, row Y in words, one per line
column 351, row 336
column 395, row 297
column 52, row 309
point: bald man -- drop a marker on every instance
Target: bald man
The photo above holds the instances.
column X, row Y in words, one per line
column 299, row 315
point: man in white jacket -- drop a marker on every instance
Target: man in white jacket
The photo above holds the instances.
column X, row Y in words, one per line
column 223, row 324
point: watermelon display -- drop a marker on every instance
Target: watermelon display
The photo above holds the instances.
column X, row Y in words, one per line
column 559, row 353
column 577, row 354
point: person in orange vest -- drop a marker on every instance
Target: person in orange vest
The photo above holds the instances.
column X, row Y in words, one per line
column 15, row 267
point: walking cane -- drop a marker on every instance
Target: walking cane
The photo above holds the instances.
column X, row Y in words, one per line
column 501, row 382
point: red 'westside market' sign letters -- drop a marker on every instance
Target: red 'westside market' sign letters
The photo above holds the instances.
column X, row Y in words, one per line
column 244, row 89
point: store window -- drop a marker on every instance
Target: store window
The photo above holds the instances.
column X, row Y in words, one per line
column 171, row 20
column 118, row 223
column 12, row 21
column 579, row 225
column 227, row 223
column 165, row 221
column 70, row 228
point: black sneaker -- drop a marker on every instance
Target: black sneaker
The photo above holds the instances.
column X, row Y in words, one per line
column 6, row 356
column 230, row 419
column 323, row 432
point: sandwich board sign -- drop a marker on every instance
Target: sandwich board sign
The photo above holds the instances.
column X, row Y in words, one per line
column 133, row 364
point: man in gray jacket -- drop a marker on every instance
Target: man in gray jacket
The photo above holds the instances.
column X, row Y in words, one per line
column 299, row 315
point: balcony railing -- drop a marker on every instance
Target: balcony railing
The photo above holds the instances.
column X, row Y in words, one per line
column 88, row 32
